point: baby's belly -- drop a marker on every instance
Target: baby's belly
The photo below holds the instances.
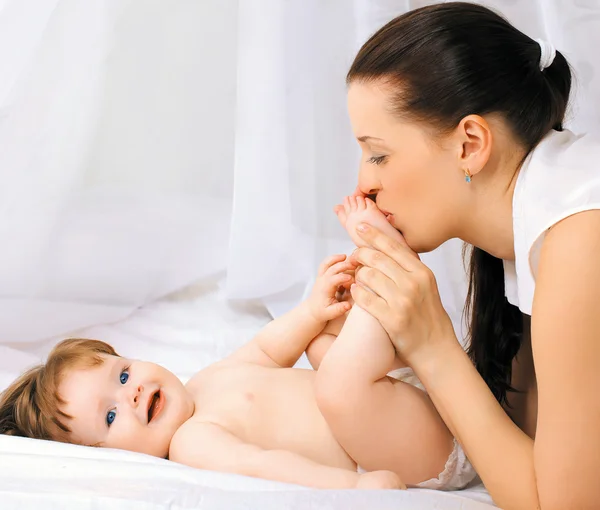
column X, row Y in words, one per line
column 282, row 414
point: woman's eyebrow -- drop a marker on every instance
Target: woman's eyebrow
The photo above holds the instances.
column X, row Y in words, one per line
column 365, row 138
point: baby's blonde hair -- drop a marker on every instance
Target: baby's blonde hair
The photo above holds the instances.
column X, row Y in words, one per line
column 30, row 406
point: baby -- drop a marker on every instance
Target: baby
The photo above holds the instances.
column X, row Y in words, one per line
column 345, row 425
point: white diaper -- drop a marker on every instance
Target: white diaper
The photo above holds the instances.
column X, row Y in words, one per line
column 458, row 471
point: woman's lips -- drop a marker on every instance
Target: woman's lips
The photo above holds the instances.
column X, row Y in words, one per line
column 390, row 218
column 388, row 215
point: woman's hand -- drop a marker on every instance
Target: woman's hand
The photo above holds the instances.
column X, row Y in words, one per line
column 404, row 297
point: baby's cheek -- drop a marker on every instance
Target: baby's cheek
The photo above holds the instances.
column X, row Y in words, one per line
column 127, row 436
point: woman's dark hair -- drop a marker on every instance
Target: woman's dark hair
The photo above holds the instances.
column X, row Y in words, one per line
column 442, row 63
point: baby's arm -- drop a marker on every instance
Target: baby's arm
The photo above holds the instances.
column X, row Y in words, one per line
column 316, row 350
column 209, row 446
column 281, row 342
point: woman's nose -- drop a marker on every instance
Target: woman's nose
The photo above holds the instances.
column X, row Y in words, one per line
column 367, row 182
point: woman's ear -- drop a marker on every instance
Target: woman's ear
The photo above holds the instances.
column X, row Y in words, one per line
column 475, row 138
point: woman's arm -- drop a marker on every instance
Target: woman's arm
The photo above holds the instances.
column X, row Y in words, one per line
column 565, row 334
column 501, row 453
column 557, row 471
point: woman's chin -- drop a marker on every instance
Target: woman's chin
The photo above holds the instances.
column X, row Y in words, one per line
column 419, row 245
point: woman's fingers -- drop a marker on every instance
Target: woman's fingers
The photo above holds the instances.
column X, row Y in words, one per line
column 370, row 302
column 397, row 250
column 370, row 257
column 390, row 278
column 382, row 285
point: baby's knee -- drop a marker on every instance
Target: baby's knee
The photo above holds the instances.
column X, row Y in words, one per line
column 338, row 394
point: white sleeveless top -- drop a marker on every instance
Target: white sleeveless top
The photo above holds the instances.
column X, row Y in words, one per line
column 561, row 177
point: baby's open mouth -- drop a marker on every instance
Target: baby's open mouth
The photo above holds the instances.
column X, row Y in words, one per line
column 156, row 403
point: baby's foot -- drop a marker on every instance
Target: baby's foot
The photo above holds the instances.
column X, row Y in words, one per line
column 357, row 209
column 379, row 480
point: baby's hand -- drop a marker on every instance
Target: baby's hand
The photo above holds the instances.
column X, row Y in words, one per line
column 323, row 301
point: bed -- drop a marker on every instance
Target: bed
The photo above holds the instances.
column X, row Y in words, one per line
column 184, row 332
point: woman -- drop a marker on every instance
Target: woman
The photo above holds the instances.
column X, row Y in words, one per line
column 459, row 117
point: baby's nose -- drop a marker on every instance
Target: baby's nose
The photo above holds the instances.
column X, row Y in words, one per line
column 137, row 393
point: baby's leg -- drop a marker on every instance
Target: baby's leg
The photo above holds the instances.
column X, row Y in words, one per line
column 318, row 348
column 381, row 423
column 353, row 211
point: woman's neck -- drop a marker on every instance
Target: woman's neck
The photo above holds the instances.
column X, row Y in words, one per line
column 489, row 224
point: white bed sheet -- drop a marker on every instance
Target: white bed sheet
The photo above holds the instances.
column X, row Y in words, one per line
column 184, row 332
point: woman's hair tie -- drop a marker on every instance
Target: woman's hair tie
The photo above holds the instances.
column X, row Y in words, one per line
column 548, row 53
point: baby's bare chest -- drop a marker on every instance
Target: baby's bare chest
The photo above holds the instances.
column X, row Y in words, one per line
column 274, row 408
column 258, row 403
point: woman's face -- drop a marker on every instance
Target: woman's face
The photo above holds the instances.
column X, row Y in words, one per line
column 416, row 178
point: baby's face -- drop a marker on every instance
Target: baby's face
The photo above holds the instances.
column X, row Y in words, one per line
column 126, row 404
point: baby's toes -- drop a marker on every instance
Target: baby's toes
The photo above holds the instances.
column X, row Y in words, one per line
column 361, row 203
column 370, row 205
column 342, row 216
column 353, row 203
column 347, row 205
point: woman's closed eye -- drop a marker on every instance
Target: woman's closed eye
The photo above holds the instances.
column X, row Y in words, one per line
column 376, row 160
column 112, row 414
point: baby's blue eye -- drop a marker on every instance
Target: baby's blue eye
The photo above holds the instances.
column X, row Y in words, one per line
column 110, row 417
column 124, row 376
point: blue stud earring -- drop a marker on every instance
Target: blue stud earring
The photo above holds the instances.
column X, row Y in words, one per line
column 468, row 175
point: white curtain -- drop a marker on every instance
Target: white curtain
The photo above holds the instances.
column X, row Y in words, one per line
column 294, row 147
column 116, row 156
column 146, row 144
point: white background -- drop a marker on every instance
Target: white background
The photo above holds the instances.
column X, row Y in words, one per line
column 146, row 144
